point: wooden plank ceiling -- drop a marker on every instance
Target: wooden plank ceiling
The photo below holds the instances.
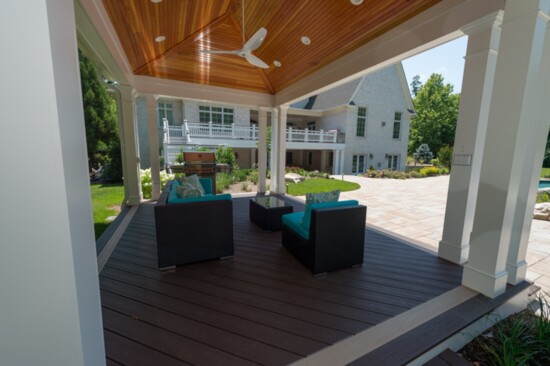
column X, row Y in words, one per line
column 335, row 27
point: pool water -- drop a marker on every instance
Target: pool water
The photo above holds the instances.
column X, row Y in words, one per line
column 544, row 184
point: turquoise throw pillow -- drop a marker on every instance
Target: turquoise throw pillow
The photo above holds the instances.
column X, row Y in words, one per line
column 331, row 196
column 187, row 190
column 194, row 181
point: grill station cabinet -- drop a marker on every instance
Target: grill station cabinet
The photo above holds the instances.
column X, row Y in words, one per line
column 202, row 164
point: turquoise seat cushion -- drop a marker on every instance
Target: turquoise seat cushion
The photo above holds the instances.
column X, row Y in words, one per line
column 307, row 214
column 294, row 221
column 206, row 184
column 173, row 198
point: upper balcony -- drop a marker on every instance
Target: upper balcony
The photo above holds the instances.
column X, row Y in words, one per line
column 188, row 131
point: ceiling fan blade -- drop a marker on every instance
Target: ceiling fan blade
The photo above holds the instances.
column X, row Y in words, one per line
column 221, row 52
column 256, row 61
column 255, row 41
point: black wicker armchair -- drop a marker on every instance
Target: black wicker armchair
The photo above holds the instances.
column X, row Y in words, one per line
column 335, row 239
column 193, row 231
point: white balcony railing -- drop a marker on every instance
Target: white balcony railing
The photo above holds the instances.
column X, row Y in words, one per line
column 187, row 131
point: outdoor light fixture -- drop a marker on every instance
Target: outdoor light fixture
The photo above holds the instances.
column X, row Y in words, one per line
column 305, row 40
column 160, row 39
column 356, row 2
column 277, row 63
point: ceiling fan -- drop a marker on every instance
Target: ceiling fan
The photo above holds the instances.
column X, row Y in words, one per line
column 246, row 51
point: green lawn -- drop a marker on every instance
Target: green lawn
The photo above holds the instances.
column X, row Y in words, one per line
column 545, row 173
column 316, row 185
column 106, row 199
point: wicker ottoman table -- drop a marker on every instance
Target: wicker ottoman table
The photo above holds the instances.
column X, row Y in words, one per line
column 266, row 211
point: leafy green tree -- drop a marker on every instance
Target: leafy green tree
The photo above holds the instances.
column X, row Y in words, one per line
column 100, row 115
column 445, row 156
column 224, row 155
column 415, row 85
column 436, row 114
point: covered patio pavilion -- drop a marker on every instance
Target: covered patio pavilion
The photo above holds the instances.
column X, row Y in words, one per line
column 51, row 304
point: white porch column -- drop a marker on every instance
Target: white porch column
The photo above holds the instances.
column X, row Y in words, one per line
column 323, row 161
column 477, row 87
column 129, row 145
column 274, row 150
column 281, row 149
column 341, row 163
column 152, row 126
column 513, row 125
column 516, row 265
column 262, row 148
column 335, row 162
column 50, row 307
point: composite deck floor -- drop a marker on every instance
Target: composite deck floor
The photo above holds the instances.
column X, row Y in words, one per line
column 262, row 307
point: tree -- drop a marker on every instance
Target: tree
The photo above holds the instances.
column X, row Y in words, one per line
column 423, row 154
column 224, row 155
column 415, row 85
column 436, row 114
column 100, row 115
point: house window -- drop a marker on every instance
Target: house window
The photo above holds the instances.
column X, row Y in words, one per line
column 358, row 164
column 289, row 158
column 311, row 126
column 393, row 162
column 397, row 125
column 165, row 111
column 361, row 121
column 216, row 115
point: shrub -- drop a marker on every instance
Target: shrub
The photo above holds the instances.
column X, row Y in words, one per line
column 415, row 174
column 179, row 157
column 253, row 176
column 445, row 156
column 543, row 197
column 239, row 175
column 423, row 154
column 245, row 187
column 224, row 155
column 435, row 162
column 443, row 171
column 113, row 169
column 429, row 171
column 223, row 181
column 147, row 182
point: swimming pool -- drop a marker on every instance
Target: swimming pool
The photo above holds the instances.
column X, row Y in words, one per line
column 544, row 184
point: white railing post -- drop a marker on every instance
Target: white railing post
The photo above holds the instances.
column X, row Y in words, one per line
column 335, row 137
column 321, row 136
column 289, row 134
column 166, row 130
column 233, row 130
column 210, row 129
column 254, row 132
column 306, row 136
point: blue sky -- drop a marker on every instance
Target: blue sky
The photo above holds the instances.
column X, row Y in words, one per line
column 447, row 59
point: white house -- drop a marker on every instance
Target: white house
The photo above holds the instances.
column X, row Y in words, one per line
column 347, row 129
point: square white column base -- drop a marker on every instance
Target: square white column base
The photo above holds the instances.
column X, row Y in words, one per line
column 488, row 284
column 516, row 272
column 453, row 253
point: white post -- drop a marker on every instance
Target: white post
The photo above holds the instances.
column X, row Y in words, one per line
column 335, row 137
column 152, row 123
column 187, row 132
column 210, row 129
column 289, row 134
column 254, row 133
column 281, row 150
column 233, row 130
column 274, row 150
column 166, row 130
column 262, row 149
column 514, row 124
column 306, row 136
column 321, row 136
column 129, row 145
column 51, row 311
column 477, row 87
column 336, row 162
column 341, row 163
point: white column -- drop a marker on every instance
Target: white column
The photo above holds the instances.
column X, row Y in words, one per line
column 50, row 307
column 281, row 149
column 152, row 126
column 274, row 150
column 341, row 163
column 262, row 149
column 477, row 87
column 512, row 126
column 129, row 145
column 516, row 265
column 323, row 163
column 335, row 162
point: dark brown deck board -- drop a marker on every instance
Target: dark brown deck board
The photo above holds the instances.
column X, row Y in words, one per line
column 263, row 306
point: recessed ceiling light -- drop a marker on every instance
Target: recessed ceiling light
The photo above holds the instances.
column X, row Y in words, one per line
column 354, row 2
column 156, row 1
column 306, row 40
column 277, row 63
column 160, row 39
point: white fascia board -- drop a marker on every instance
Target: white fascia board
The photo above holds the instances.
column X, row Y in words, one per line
column 218, row 94
column 313, row 146
column 404, row 85
column 219, row 142
column 305, row 112
column 437, row 25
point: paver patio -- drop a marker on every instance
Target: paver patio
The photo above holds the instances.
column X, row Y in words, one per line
column 415, row 209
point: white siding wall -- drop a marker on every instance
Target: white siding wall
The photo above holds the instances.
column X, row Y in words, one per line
column 382, row 95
